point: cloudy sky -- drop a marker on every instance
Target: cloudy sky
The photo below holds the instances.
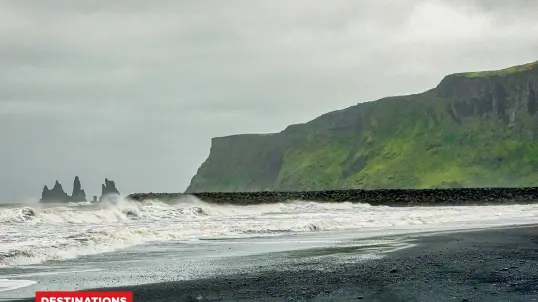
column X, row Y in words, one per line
column 134, row 90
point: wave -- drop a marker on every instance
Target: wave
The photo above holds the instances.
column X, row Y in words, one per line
column 67, row 231
column 125, row 210
column 73, row 213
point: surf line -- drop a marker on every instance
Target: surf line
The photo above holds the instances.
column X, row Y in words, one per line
column 7, row 284
column 52, row 273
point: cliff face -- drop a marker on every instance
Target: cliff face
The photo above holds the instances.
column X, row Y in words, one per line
column 241, row 163
column 473, row 129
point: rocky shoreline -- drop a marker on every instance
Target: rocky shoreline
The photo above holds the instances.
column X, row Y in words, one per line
column 388, row 197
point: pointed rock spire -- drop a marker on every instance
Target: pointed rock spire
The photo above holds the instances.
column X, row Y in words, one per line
column 57, row 194
column 108, row 188
column 78, row 194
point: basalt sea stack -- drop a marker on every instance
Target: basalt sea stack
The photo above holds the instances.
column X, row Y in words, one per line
column 78, row 194
column 108, row 189
column 57, row 193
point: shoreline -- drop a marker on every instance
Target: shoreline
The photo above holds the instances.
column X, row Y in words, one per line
column 497, row 264
column 385, row 197
column 478, row 265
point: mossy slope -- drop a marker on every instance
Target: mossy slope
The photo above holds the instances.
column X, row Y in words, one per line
column 472, row 130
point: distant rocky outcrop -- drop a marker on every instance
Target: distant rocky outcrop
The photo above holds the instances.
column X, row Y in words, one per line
column 57, row 193
column 108, row 188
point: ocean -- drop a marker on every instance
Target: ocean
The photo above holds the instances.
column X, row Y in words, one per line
column 80, row 246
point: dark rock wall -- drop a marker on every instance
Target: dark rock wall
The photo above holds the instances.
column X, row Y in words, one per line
column 254, row 164
column 429, row 197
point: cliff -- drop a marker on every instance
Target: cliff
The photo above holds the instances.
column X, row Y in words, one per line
column 475, row 129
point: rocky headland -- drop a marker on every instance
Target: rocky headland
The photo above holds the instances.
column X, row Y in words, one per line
column 57, row 193
column 473, row 130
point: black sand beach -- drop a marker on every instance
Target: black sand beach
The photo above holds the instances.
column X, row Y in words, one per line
column 486, row 265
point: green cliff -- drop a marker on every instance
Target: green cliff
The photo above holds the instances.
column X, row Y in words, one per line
column 473, row 130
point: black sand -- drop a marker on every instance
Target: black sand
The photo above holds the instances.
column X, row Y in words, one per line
column 490, row 265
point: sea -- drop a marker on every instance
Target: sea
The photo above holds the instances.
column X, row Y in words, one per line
column 82, row 245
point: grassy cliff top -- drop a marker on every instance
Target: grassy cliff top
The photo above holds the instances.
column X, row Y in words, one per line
column 501, row 72
column 351, row 112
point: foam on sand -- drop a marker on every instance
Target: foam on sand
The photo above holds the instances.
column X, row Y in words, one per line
column 7, row 284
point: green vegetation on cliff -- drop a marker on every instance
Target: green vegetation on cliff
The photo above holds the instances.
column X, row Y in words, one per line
column 472, row 130
column 513, row 69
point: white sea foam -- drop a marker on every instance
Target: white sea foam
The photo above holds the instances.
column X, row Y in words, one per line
column 37, row 233
column 7, row 284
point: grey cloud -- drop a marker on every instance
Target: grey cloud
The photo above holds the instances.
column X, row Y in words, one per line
column 134, row 90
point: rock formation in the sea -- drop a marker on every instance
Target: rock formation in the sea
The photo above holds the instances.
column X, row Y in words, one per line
column 477, row 129
column 78, row 193
column 56, row 194
column 108, row 189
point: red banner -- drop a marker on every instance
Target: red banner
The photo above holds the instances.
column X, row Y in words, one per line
column 64, row 296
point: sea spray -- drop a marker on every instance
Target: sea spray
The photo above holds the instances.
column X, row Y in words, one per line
column 35, row 233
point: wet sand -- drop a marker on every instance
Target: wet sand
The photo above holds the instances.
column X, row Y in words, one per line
column 488, row 265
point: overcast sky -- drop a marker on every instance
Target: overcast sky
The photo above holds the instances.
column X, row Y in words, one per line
column 135, row 90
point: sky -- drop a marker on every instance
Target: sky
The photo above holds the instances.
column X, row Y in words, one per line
column 135, row 90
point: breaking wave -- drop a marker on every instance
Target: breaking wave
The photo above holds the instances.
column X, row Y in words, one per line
column 40, row 233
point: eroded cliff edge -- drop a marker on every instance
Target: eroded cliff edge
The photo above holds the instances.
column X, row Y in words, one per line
column 475, row 129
